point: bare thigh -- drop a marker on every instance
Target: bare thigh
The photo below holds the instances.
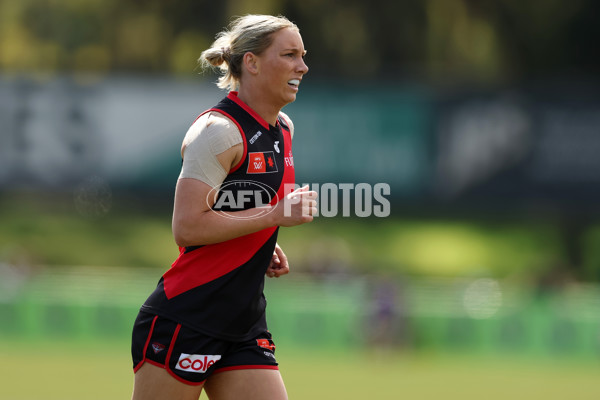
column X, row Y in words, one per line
column 246, row 384
column 155, row 383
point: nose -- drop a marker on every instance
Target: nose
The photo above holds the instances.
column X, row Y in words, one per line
column 303, row 68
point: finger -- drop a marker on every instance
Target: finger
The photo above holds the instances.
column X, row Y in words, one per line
column 300, row 190
column 303, row 191
column 311, row 203
column 306, row 218
column 309, row 208
column 277, row 254
column 273, row 274
column 283, row 263
column 281, row 271
column 282, row 257
column 310, row 195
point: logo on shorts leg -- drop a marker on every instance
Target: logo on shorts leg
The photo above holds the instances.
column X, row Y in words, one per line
column 196, row 363
column 157, row 347
column 264, row 343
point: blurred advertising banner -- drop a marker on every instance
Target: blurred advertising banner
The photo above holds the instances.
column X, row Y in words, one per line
column 519, row 146
column 365, row 134
column 499, row 146
column 127, row 131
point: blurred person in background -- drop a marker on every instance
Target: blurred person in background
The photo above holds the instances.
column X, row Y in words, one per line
column 204, row 326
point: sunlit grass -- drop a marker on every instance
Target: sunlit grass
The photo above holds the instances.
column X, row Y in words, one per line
column 102, row 370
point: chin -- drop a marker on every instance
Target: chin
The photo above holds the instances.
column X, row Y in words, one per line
column 286, row 100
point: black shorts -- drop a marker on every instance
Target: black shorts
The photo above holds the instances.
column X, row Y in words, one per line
column 191, row 357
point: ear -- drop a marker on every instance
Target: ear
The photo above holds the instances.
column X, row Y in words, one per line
column 251, row 63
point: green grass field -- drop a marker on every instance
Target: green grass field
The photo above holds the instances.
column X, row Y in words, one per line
column 101, row 370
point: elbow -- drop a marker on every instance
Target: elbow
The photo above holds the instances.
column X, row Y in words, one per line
column 181, row 240
column 186, row 236
column 186, row 241
column 191, row 231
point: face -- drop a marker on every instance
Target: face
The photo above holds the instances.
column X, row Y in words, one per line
column 281, row 67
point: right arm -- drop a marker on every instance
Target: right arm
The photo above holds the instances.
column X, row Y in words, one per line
column 196, row 223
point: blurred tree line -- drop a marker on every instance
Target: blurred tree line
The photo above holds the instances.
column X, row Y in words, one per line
column 482, row 41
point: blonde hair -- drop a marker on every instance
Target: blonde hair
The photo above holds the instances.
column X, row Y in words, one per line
column 250, row 33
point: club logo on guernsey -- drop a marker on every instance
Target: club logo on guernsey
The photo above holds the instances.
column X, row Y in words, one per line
column 196, row 363
column 261, row 163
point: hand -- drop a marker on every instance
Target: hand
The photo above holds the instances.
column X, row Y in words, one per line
column 279, row 264
column 297, row 208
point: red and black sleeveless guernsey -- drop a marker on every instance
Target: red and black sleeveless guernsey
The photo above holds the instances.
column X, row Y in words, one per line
column 217, row 289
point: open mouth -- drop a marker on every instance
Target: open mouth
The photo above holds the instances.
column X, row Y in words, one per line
column 294, row 83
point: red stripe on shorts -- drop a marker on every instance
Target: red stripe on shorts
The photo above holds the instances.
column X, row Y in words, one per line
column 135, row 369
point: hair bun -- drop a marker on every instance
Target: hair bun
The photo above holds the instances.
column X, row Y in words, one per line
column 226, row 53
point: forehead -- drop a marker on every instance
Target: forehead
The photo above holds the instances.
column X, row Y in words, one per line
column 287, row 38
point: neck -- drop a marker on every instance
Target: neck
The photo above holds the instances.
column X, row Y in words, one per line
column 267, row 111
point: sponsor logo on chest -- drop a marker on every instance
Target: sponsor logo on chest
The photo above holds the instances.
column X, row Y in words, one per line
column 289, row 159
